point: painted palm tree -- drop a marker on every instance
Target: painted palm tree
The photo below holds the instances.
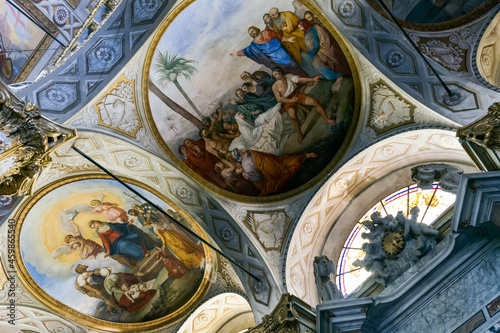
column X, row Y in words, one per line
column 174, row 106
column 170, row 67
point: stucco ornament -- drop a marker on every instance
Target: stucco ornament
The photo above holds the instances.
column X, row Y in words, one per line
column 395, row 244
column 388, row 109
column 269, row 227
column 447, row 55
column 117, row 109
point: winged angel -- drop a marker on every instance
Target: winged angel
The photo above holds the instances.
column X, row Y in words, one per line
column 75, row 240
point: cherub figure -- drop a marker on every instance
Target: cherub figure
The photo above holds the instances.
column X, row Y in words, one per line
column 114, row 214
column 75, row 240
column 133, row 291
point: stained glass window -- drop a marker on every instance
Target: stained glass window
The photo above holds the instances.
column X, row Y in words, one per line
column 432, row 203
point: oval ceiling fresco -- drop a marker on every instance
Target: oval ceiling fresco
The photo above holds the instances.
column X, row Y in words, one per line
column 253, row 99
column 90, row 247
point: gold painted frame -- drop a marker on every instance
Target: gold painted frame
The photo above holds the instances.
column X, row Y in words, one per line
column 353, row 127
column 440, row 26
column 87, row 320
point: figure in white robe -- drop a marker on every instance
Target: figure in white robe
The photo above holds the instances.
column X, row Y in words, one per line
column 268, row 134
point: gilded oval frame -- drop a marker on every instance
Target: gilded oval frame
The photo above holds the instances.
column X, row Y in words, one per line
column 319, row 178
column 88, row 320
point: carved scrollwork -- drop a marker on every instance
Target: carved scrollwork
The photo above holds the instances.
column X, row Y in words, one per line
column 485, row 131
column 26, row 141
column 448, row 176
column 284, row 318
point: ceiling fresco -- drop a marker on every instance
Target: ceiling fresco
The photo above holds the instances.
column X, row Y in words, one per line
column 19, row 40
column 262, row 112
column 432, row 15
column 431, row 11
column 91, row 247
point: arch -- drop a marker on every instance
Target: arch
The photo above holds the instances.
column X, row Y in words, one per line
column 355, row 188
column 224, row 313
column 160, row 175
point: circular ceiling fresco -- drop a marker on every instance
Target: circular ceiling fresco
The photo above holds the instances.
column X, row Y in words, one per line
column 443, row 14
column 253, row 99
column 94, row 251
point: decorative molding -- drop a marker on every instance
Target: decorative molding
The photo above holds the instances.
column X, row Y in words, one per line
column 117, row 110
column 388, row 109
column 289, row 315
column 336, row 203
column 485, row 131
column 269, row 227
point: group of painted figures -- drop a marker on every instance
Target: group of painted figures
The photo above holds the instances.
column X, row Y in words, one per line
column 125, row 242
column 241, row 144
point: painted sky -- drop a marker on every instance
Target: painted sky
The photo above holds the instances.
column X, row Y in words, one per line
column 208, row 40
column 55, row 277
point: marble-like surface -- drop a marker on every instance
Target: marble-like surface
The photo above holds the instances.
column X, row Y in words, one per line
column 459, row 301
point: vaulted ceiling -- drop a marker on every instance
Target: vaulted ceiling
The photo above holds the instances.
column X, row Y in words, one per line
column 394, row 112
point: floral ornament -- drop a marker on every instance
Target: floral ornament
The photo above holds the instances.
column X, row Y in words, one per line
column 389, row 150
column 455, row 98
column 132, row 161
column 183, row 192
column 61, row 16
column 226, row 234
column 308, row 228
column 5, row 201
column 395, row 58
column 346, row 8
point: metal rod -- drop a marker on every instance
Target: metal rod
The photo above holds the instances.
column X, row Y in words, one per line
column 32, row 20
column 430, row 202
column 408, row 203
column 354, row 270
column 353, row 248
column 385, row 210
column 412, row 43
column 171, row 218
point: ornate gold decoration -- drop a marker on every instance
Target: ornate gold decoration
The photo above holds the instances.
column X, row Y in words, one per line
column 485, row 131
column 393, row 243
column 117, row 108
column 27, row 139
column 286, row 317
column 215, row 189
column 89, row 321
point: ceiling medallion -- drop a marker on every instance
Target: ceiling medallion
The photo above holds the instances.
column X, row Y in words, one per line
column 92, row 251
column 216, row 113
